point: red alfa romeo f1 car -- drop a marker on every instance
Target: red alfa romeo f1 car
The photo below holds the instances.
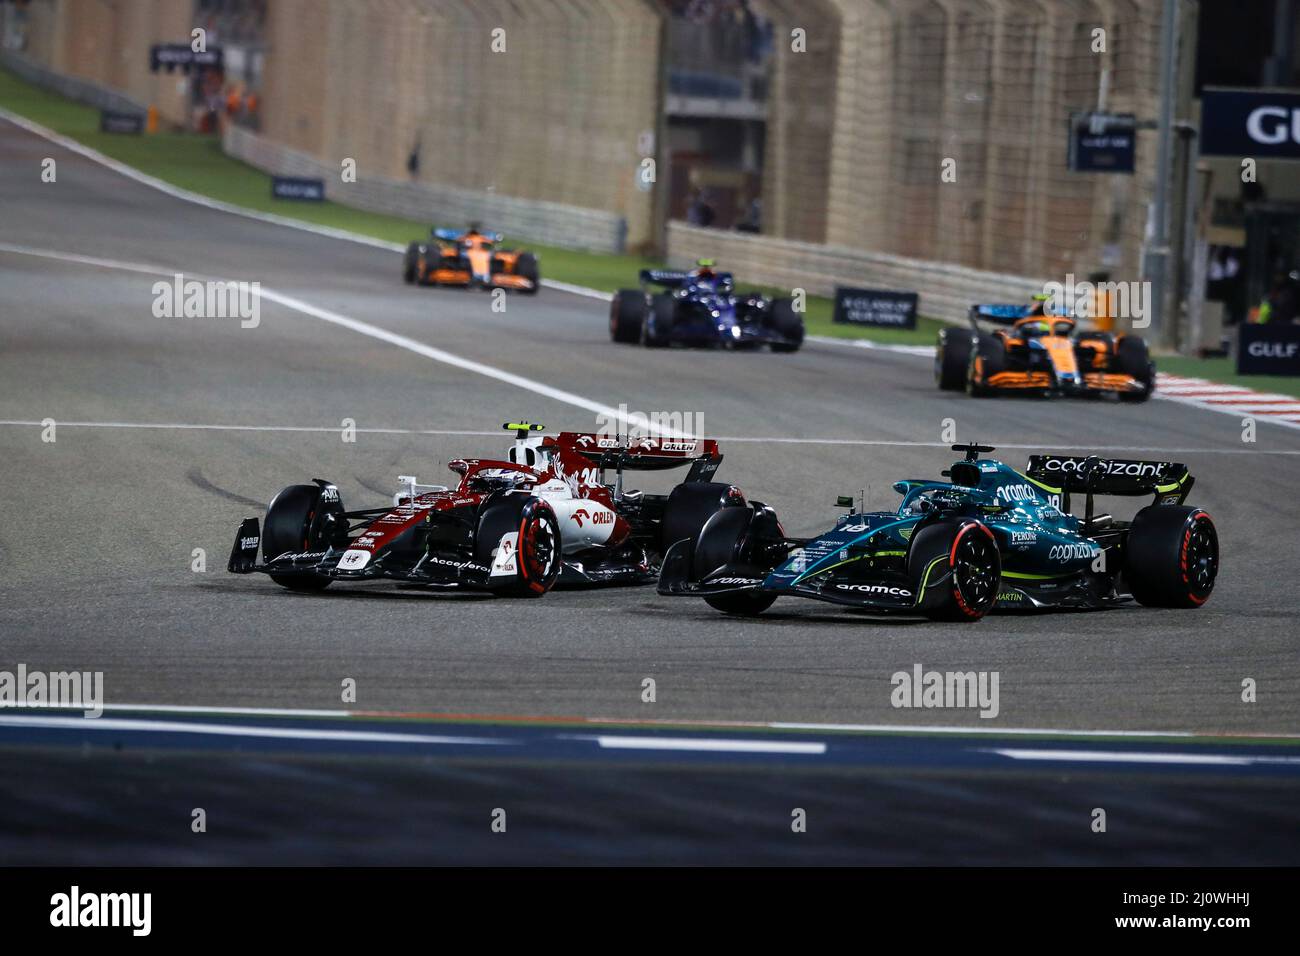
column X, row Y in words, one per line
column 544, row 515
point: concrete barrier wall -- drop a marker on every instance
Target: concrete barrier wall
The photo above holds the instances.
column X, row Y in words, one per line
column 74, row 88
column 947, row 290
column 861, row 124
column 106, row 44
column 540, row 101
column 525, row 219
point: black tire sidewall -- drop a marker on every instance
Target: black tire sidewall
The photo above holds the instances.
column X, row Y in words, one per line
column 785, row 321
column 1153, row 556
column 952, row 359
column 626, row 316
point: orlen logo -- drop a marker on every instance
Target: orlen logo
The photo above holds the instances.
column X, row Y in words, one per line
column 600, row 517
column 875, row 589
column 677, row 446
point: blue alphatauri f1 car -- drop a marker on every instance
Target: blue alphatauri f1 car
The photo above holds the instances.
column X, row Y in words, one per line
column 701, row 307
column 990, row 537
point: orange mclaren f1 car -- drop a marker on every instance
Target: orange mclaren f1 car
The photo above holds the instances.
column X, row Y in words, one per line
column 1038, row 353
column 472, row 259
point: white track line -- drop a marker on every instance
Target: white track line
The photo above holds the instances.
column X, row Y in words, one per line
column 922, row 350
column 198, row 199
column 209, row 710
column 374, row 332
column 237, row 730
column 728, row 439
column 708, row 745
column 1127, row 756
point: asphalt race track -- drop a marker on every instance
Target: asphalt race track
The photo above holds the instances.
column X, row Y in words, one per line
column 171, row 430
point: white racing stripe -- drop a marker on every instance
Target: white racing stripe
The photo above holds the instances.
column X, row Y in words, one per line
column 1128, row 756
column 374, row 332
column 235, row 730
column 710, row 745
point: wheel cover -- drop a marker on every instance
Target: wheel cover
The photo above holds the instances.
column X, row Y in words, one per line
column 538, row 553
column 974, row 571
column 1200, row 556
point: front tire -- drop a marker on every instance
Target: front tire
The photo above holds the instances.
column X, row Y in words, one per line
column 722, row 544
column 1133, row 358
column 1172, row 558
column 411, row 263
column 292, row 524
column 989, row 359
column 785, row 321
column 527, row 527
column 526, row 266
column 690, row 506
column 626, row 313
column 956, row 570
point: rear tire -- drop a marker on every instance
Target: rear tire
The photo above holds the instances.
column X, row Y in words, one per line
column 784, row 320
column 1172, row 558
column 966, row 552
column 1133, row 358
column 288, row 527
column 526, row 266
column 952, row 359
column 626, row 314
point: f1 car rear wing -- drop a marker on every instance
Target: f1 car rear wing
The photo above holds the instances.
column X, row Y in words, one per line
column 645, row 454
column 668, row 278
column 1003, row 314
column 455, row 235
column 1169, row 481
column 673, row 278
